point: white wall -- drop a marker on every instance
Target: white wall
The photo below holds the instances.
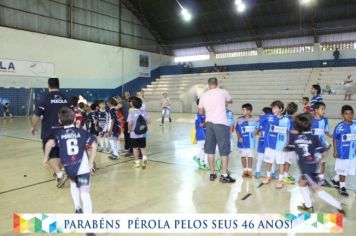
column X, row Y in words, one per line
column 78, row 64
column 260, row 58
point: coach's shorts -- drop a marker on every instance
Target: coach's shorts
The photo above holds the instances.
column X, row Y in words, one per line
column 217, row 134
column 272, row 156
column 246, row 152
column 345, row 167
column 310, row 173
column 54, row 153
column 138, row 142
column 290, row 157
column 81, row 180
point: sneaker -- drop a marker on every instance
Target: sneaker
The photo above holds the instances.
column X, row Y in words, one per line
column 273, row 175
column 342, row 210
column 288, row 180
column 79, row 211
column 335, row 183
column 129, row 154
column 136, row 165
column 226, row 179
column 100, row 149
column 343, row 192
column 196, row 159
column 279, row 184
column 90, row 234
column 291, row 178
column 325, row 183
column 257, row 175
column 266, row 180
column 203, row 167
column 213, row 177
column 306, row 209
column 113, row 157
column 218, row 164
column 62, row 181
column 144, row 164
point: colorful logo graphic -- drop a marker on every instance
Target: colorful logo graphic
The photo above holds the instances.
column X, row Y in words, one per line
column 35, row 223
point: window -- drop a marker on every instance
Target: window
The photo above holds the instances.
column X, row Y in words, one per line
column 288, row 49
column 340, row 45
column 191, row 58
column 242, row 53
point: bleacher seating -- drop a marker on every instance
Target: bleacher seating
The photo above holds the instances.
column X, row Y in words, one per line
column 256, row 87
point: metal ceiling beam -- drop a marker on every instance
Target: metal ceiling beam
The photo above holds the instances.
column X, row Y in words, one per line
column 128, row 4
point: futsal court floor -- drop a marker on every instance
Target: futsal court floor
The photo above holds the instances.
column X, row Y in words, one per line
column 172, row 182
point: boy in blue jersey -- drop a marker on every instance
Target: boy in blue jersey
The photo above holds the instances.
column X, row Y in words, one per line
column 315, row 91
column 309, row 148
column 320, row 128
column 246, row 132
column 344, row 149
column 276, row 138
column 113, row 129
column 75, row 145
column 290, row 156
column 261, row 143
column 200, row 134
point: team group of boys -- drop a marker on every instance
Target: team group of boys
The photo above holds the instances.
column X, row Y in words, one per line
column 284, row 138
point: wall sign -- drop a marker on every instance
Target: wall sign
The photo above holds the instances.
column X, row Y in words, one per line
column 26, row 68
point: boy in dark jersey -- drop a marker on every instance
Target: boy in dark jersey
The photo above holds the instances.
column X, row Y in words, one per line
column 309, row 148
column 113, row 129
column 102, row 126
column 93, row 119
column 75, row 145
column 46, row 109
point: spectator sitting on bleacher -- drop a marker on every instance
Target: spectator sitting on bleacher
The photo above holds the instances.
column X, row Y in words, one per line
column 329, row 90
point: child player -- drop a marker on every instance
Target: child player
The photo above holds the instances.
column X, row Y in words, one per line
column 137, row 119
column 246, row 139
column 309, row 148
column 344, row 149
column 276, row 140
column 200, row 134
column 102, row 126
column 261, row 143
column 73, row 145
column 291, row 109
column 306, row 104
column 93, row 119
column 320, row 128
column 113, row 129
column 315, row 91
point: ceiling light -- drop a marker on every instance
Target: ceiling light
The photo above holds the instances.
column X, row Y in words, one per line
column 241, row 7
column 186, row 15
column 305, row 2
